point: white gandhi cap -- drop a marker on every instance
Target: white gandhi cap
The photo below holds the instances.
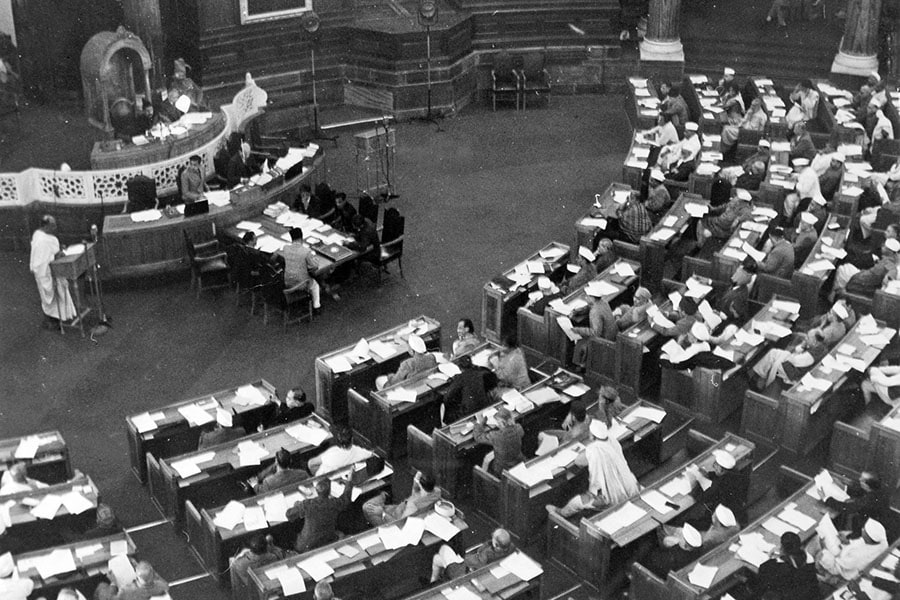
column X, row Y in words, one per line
column 417, row 344
column 725, row 516
column 724, row 459
column 875, row 531
column 691, row 535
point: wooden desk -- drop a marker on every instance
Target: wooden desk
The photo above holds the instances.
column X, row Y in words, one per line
column 523, row 501
column 90, row 558
column 382, row 421
column 886, row 307
column 325, row 262
column 44, row 454
column 173, row 434
column 725, row 559
column 637, row 348
column 133, row 249
column 502, row 296
column 807, row 415
column 372, row 567
column 559, row 346
column 636, row 161
column 846, row 200
column 884, row 563
column 753, row 232
column 219, row 477
column 75, row 268
column 331, row 386
column 104, row 157
column 714, row 394
column 214, row 544
column 641, row 103
column 35, row 533
column 485, row 584
column 655, row 245
column 603, row 209
column 773, row 104
column 455, row 451
column 808, row 282
column 712, row 109
column 600, row 539
column 884, row 448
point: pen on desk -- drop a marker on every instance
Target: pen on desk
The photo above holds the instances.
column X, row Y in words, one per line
column 672, row 505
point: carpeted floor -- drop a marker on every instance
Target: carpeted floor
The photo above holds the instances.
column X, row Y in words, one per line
column 489, row 190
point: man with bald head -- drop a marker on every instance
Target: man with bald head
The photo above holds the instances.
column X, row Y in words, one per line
column 446, row 564
column 56, row 302
column 323, row 591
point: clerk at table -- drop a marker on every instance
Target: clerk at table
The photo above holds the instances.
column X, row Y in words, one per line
column 299, row 265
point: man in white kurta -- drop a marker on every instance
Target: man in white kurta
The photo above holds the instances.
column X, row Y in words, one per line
column 56, row 301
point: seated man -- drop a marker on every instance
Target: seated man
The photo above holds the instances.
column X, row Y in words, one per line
column 628, row 315
column 604, row 254
column 505, row 441
column 509, row 364
column 311, row 205
column 830, row 180
column 839, row 561
column 610, row 480
column 634, row 220
column 867, row 281
column 447, row 565
column 602, row 325
column 659, row 201
column 544, row 295
column 683, row 318
column 423, row 495
column 789, row 574
column 721, row 485
column 788, row 364
column 889, row 203
column 13, row 587
column 223, row 432
column 466, row 340
column 722, row 221
column 805, row 238
column 16, row 480
column 319, row 515
column 779, row 260
column 468, row 391
column 866, row 501
column 146, row 585
column 365, row 239
column 421, row 360
column 752, row 178
column 802, row 145
column 609, row 404
column 295, row 406
column 834, row 324
column 580, row 272
column 723, row 526
column 576, row 425
column 280, row 475
column 342, row 454
column 883, row 380
column 344, row 213
column 687, row 547
column 734, row 302
column 299, row 266
column 260, row 552
column 686, row 150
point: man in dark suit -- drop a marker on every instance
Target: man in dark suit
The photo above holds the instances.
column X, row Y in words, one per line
column 282, row 474
column 734, row 302
column 319, row 516
column 365, row 239
column 344, row 213
column 721, row 485
column 225, row 431
column 309, row 204
column 238, row 169
column 789, row 575
column 866, row 501
column 688, row 548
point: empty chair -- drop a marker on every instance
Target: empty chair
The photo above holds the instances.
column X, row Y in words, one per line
column 294, row 304
column 368, row 208
column 246, row 268
column 209, row 264
column 535, row 78
column 505, row 81
column 141, row 193
column 391, row 241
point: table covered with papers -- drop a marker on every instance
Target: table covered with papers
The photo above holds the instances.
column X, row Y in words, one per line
column 358, row 365
column 77, row 565
column 718, row 570
column 808, row 414
column 176, row 428
column 590, row 549
column 747, row 240
column 515, row 577
column 503, row 295
column 382, row 416
column 150, row 243
column 809, row 278
column 596, row 219
column 45, row 455
column 386, row 558
column 211, row 476
column 668, row 230
column 218, row 533
column 642, row 103
column 553, row 476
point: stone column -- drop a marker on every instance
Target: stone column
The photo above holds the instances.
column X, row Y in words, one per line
column 858, row 53
column 663, row 40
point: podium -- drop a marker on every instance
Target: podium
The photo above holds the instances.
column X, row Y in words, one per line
column 375, row 160
column 74, row 268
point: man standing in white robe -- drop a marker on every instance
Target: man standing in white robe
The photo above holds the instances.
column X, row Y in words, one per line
column 56, row 302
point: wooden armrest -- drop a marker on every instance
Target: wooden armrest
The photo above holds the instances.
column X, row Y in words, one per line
column 211, row 257
column 392, row 243
column 293, row 289
column 206, row 245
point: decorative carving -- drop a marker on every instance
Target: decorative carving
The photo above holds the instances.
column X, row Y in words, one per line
column 9, row 189
column 64, row 186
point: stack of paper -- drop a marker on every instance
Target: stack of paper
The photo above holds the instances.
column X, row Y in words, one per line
column 702, row 576
column 521, row 566
column 230, row 516
column 47, row 507
column 679, row 486
column 440, row 526
column 146, row 216
column 249, row 395
column 251, row 453
column 401, row 394
column 627, row 514
column 195, row 415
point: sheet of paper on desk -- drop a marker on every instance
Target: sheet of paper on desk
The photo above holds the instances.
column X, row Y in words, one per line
column 146, row 216
column 449, row 369
column 367, row 541
column 230, row 516
column 748, row 337
column 814, row 383
column 753, row 252
column 879, row 340
column 382, row 350
column 440, row 526
column 251, row 450
column 251, row 394
column 392, row 537
column 597, row 288
column 542, row 395
column 565, row 323
column 648, row 412
column 778, row 527
column 734, row 253
column 269, row 244
column 89, row 550
column 594, row 222
column 348, row 550
column 121, row 569
column 143, row 423
column 339, row 364
column 401, row 395
column 679, row 486
column 255, row 518
column 787, row 306
column 695, row 209
column 826, row 483
column 249, row 226
column 118, row 547
column 47, row 507
column 28, row 448
column 57, row 562
column 218, row 197
column 309, row 435
column 622, row 196
column 752, row 555
column 656, row 501
column 576, row 390
column 623, row 269
column 702, row 576
column 413, row 530
column 662, row 234
column 75, row 503
column 275, row 508
column 826, row 528
column 522, row 566
column 291, row 581
column 796, row 518
column 820, row 265
column 196, row 415
column 564, row 457
column 627, row 514
column 833, row 253
column 535, row 267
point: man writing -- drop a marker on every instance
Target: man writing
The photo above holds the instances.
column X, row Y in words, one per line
column 319, row 516
column 299, row 265
column 422, row 497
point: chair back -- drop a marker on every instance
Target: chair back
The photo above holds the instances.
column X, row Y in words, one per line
column 141, row 193
column 533, row 62
column 189, row 244
column 503, row 62
column 394, row 226
column 368, row 208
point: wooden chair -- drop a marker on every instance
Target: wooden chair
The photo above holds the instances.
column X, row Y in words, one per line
column 505, row 81
column 368, row 208
column 208, row 262
column 535, row 78
column 391, row 242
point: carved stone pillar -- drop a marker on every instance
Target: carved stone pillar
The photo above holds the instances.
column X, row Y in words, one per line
column 663, row 40
column 858, row 54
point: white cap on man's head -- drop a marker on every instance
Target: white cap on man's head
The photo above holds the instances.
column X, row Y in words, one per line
column 892, row 244
column 691, row 536
column 544, row 283
column 691, row 126
column 417, row 344
column 586, row 254
column 875, row 531
column 800, row 162
column 724, row 459
column 808, row 218
column 657, row 175
column 743, row 194
column 725, row 516
column 728, row 71
column 764, row 143
column 700, row 331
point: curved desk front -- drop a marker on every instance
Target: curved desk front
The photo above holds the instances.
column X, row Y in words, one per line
column 133, row 249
